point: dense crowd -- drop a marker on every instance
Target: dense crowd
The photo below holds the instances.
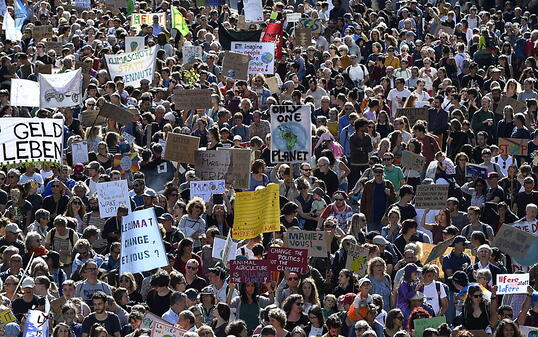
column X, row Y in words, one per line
column 471, row 64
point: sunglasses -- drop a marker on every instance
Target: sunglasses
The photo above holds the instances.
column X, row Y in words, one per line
column 192, row 267
column 77, row 203
column 57, row 186
column 338, row 199
column 293, row 278
column 478, row 296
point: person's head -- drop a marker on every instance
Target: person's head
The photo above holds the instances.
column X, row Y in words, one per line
column 160, row 279
column 237, row 328
column 409, row 227
column 507, row 328
column 505, row 312
column 484, row 252
column 99, row 300
column 277, row 318
column 178, row 301
column 333, row 324
column 186, row 319
column 361, row 327
column 473, row 213
column 429, row 272
column 294, row 302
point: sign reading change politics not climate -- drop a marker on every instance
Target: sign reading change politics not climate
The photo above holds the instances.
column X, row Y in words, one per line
column 133, row 67
column 290, row 133
column 27, row 140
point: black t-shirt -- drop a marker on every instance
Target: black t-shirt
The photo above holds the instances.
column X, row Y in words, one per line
column 158, row 305
column 406, row 211
column 198, row 283
column 303, row 322
column 111, row 323
column 523, row 199
column 3, row 197
column 20, row 306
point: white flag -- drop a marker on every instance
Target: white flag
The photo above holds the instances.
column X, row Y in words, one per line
column 24, row 93
column 12, row 33
column 61, row 90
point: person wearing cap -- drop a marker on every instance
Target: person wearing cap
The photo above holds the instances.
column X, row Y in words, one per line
column 207, row 304
column 217, row 280
column 149, row 202
column 11, row 238
column 495, row 193
column 178, row 303
column 28, row 300
column 15, row 268
column 12, row 330
column 369, row 198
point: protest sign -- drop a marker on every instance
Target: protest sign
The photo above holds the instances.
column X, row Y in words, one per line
column 86, row 3
column 273, row 84
column 31, row 140
column 303, row 37
column 357, row 259
column 221, row 250
column 134, row 43
column 191, row 99
column 54, row 45
column 518, row 106
column 513, row 241
column 262, row 55
column 190, row 53
column 512, row 283
column 85, row 69
column 111, row 195
column 142, row 246
column 249, row 271
column 42, row 32
column 181, row 148
column 528, row 331
column 41, row 68
column 314, row 241
column 253, row 10
column 126, row 162
column 256, row 212
column 293, row 17
column 315, row 25
column 290, row 133
column 439, row 250
column 116, row 113
column 431, row 196
column 424, row 323
column 60, row 90
column 166, row 330
column 133, row 67
column 37, row 324
column 7, row 316
column 206, row 189
column 513, row 146
column 116, row 4
column 412, row 161
column 24, row 93
column 79, row 152
column 228, row 164
column 149, row 320
column 138, row 19
column 290, row 259
column 476, row 171
column 413, row 114
column 235, row 65
column 88, row 117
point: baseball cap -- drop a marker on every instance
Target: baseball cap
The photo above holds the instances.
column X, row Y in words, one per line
column 191, row 293
column 149, row 193
column 166, row 217
column 28, row 283
column 238, row 137
column 349, row 298
column 493, row 175
column 13, row 228
column 460, row 278
column 452, row 230
column 208, row 291
column 378, row 168
column 528, row 180
column 94, row 165
column 364, row 280
column 459, row 239
column 379, row 240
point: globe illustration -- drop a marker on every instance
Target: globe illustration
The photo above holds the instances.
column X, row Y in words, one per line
column 289, row 136
column 267, row 58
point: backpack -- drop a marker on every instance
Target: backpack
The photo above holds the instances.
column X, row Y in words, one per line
column 483, row 230
column 71, row 237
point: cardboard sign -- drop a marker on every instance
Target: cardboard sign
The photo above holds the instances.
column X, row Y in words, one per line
column 412, row 161
column 79, row 152
column 439, row 250
column 111, row 195
column 314, row 241
column 256, row 212
column 315, row 25
column 232, row 165
column 249, row 271
column 166, row 330
column 191, row 53
column 291, row 133
column 138, row 19
column 134, row 43
column 476, row 171
column 357, row 259
column 423, row 323
column 293, row 17
column 242, row 24
column 86, row 67
column 41, row 68
column 53, row 45
column 149, row 320
column 132, row 67
column 513, row 146
column 222, row 250
column 272, row 84
column 42, row 32
column 7, row 316
column 190, row 99
column 413, row 114
column 518, row 106
column 303, row 37
column 31, row 140
column 512, row 283
column 528, row 331
column 291, row 259
column 431, row 196
column 262, row 55
column 117, row 113
column 513, row 241
column 181, row 148
column 206, row 189
column 88, row 117
column 142, row 246
column 235, row 65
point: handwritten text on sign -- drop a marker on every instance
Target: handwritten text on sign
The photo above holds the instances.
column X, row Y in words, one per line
column 166, row 330
column 431, row 196
column 291, row 259
column 112, row 195
column 513, row 146
column 512, row 283
column 249, row 271
column 290, row 133
column 313, row 241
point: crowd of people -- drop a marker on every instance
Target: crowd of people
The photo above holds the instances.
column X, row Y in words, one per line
column 472, row 66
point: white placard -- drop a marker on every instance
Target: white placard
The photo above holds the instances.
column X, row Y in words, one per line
column 37, row 324
column 79, row 152
column 111, row 195
column 262, row 56
column 133, row 67
column 60, row 90
column 512, row 283
column 206, row 188
column 293, row 17
column 190, row 53
column 134, row 43
column 218, row 249
column 30, row 140
column 24, row 93
column 290, row 134
column 253, row 10
column 142, row 247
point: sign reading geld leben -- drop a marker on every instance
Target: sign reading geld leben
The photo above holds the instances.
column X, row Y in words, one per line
column 291, row 259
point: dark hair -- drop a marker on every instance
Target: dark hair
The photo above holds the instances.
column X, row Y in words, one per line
column 499, row 332
column 243, row 292
column 318, row 312
column 408, row 224
column 99, row 295
column 223, row 310
column 289, row 301
column 160, row 279
column 333, row 321
column 182, row 244
column 391, row 315
column 235, row 328
column 406, row 189
column 289, row 208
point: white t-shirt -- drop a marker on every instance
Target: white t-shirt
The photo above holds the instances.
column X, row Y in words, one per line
column 393, row 96
column 358, row 73
column 430, row 293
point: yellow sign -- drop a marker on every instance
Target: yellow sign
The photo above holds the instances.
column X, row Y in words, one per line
column 426, row 250
column 256, row 212
column 7, row 316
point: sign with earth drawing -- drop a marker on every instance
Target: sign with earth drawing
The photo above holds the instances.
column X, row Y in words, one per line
column 290, row 134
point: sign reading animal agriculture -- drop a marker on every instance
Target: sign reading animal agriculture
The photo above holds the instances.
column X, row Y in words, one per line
column 249, row 271
column 133, row 67
column 262, row 55
column 290, row 133
column 142, row 246
column 27, row 140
